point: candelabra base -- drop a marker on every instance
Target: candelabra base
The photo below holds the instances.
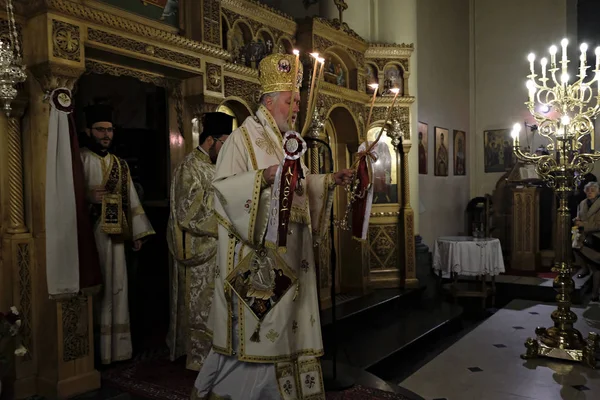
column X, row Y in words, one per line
column 566, row 345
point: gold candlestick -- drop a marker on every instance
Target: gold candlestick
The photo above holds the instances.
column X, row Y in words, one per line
column 575, row 108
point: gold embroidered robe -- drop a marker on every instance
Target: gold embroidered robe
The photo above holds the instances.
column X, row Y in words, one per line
column 289, row 333
column 111, row 308
column 192, row 238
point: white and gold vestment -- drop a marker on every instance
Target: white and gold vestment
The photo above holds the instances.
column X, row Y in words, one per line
column 192, row 238
column 265, row 312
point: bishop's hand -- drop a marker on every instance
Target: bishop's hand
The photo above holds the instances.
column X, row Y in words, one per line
column 269, row 174
column 343, row 177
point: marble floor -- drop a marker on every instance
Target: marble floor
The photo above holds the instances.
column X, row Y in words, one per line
column 485, row 363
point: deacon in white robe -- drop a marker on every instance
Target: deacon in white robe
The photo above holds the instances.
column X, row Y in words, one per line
column 192, row 239
column 119, row 219
column 265, row 311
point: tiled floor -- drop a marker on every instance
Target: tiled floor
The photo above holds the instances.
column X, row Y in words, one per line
column 529, row 280
column 485, row 364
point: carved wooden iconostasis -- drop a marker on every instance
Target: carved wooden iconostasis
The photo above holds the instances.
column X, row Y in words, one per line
column 204, row 59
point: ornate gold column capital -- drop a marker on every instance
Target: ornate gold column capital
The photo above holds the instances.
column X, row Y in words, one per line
column 51, row 75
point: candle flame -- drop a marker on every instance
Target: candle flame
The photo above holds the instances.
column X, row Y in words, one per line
column 321, row 60
column 395, row 90
column 374, row 85
column 315, row 55
column 515, row 131
column 296, row 52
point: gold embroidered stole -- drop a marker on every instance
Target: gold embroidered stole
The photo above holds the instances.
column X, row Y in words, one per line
column 115, row 218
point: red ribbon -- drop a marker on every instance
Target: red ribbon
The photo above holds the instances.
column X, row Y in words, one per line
column 289, row 179
column 360, row 202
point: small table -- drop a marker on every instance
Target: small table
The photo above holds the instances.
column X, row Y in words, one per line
column 469, row 256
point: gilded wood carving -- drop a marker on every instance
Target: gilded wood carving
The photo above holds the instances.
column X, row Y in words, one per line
column 246, row 90
column 66, row 41
column 213, row 77
column 383, row 250
column 25, row 296
column 211, row 22
column 136, row 46
column 75, row 328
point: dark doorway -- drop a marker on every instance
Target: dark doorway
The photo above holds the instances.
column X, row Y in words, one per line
column 141, row 138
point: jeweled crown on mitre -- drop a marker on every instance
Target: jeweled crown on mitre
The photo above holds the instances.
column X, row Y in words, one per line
column 276, row 73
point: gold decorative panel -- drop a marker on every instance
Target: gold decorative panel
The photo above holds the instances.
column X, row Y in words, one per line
column 383, row 248
column 382, row 62
column 66, row 41
column 400, row 114
column 214, row 81
column 246, row 90
column 135, row 46
column 75, row 328
column 98, row 67
column 25, row 293
column 86, row 13
column 211, row 22
column 321, row 44
column 409, row 222
column 258, row 15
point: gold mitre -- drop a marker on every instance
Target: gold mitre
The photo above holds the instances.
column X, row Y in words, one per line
column 276, row 73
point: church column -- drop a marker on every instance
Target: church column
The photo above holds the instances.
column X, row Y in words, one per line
column 63, row 341
column 62, row 345
column 17, row 244
column 408, row 219
column 15, row 169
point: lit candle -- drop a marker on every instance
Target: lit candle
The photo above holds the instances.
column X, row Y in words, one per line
column 544, row 62
column 531, row 86
column 313, row 103
column 515, row 134
column 564, row 61
column 583, row 48
column 375, row 87
column 396, row 91
column 311, row 93
column 531, row 58
column 293, row 100
column 553, row 56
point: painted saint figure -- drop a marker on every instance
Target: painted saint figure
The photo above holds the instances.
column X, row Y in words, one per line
column 441, row 158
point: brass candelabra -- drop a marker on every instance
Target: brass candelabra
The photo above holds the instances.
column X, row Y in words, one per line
column 565, row 114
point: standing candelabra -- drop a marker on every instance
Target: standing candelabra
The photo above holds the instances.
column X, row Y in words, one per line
column 569, row 119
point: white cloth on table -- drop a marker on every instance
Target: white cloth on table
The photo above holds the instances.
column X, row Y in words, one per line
column 465, row 255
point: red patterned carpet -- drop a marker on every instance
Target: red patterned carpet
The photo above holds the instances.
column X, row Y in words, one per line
column 157, row 378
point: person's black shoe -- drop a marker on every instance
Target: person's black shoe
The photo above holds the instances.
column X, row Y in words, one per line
column 596, row 299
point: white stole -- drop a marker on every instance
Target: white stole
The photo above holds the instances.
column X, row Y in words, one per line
column 62, row 255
